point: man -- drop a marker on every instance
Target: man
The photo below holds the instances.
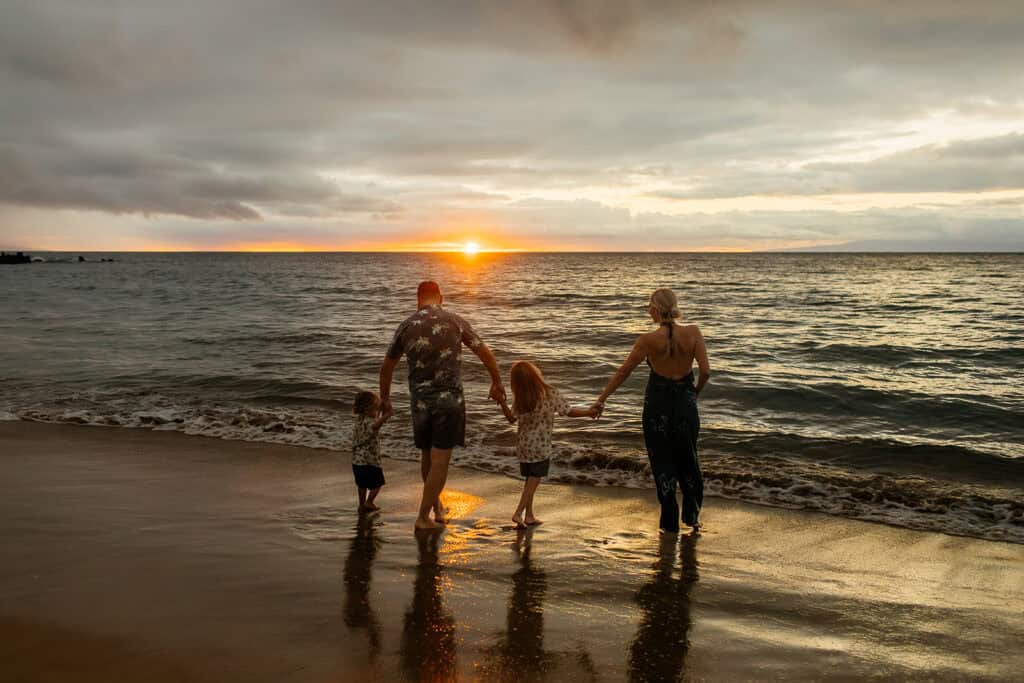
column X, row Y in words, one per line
column 431, row 340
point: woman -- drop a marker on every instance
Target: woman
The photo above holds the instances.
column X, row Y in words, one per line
column 671, row 421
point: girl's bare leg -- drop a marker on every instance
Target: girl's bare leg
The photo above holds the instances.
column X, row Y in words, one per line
column 362, row 498
column 530, row 519
column 369, row 499
column 526, row 504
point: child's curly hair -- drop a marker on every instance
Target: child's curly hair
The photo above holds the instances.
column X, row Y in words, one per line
column 364, row 399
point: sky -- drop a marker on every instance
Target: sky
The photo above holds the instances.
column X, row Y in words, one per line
column 538, row 125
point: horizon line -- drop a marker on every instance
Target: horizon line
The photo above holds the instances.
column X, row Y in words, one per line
column 484, row 252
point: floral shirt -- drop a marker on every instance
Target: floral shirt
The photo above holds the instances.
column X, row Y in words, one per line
column 365, row 442
column 432, row 339
column 533, row 441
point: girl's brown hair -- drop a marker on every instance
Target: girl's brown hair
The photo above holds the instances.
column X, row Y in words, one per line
column 364, row 399
column 528, row 387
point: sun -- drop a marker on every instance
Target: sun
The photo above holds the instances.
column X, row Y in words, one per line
column 470, row 248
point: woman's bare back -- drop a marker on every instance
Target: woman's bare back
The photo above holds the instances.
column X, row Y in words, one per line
column 686, row 342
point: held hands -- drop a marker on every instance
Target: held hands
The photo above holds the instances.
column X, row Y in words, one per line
column 596, row 409
column 497, row 392
column 385, row 411
column 509, row 415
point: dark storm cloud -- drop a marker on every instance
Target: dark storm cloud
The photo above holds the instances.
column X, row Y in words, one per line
column 68, row 176
column 258, row 110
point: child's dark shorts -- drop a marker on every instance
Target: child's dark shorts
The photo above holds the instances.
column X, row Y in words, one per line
column 368, row 476
column 535, row 469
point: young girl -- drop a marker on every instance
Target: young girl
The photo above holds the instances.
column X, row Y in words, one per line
column 534, row 407
column 366, row 464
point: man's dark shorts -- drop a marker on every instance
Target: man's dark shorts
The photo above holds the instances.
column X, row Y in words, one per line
column 535, row 469
column 439, row 421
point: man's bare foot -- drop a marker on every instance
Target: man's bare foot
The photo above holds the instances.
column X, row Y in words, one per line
column 533, row 521
column 427, row 525
column 520, row 524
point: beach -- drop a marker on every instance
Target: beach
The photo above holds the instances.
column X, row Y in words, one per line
column 147, row 555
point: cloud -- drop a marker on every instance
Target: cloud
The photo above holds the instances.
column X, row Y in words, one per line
column 65, row 175
column 995, row 163
column 388, row 115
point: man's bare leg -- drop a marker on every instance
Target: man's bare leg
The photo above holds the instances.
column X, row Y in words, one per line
column 440, row 514
column 432, row 487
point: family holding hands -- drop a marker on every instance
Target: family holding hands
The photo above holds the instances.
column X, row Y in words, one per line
column 431, row 340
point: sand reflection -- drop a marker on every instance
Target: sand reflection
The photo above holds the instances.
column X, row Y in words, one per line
column 658, row 652
column 428, row 635
column 356, row 609
column 519, row 654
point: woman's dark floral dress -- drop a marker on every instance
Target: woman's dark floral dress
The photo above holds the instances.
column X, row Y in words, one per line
column 671, row 426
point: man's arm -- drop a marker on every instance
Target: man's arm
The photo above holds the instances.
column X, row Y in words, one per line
column 387, row 371
column 509, row 415
column 582, row 412
column 483, row 352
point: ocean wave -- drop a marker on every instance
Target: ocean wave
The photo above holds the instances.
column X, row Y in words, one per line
column 838, row 398
column 893, row 354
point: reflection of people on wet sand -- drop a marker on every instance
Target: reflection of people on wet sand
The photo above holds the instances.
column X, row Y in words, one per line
column 519, row 655
column 428, row 636
column 658, row 652
column 357, row 611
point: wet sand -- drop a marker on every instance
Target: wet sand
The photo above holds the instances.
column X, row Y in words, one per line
column 137, row 555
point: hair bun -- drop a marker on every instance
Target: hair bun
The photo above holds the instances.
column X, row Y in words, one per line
column 664, row 300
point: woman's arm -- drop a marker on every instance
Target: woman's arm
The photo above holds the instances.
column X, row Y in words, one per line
column 700, row 353
column 634, row 358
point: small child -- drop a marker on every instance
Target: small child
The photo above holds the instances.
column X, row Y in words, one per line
column 535, row 406
column 366, row 464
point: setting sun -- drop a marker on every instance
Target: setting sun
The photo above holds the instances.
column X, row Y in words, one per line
column 471, row 249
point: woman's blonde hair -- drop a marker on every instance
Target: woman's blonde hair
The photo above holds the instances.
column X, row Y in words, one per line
column 664, row 301
column 528, row 387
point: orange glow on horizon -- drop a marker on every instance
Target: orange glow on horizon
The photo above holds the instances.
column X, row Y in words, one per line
column 467, row 249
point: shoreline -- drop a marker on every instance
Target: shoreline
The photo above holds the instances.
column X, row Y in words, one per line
column 846, row 500
column 203, row 559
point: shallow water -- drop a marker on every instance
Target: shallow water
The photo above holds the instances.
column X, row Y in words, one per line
column 882, row 387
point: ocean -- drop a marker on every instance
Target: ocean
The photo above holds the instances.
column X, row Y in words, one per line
column 882, row 387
